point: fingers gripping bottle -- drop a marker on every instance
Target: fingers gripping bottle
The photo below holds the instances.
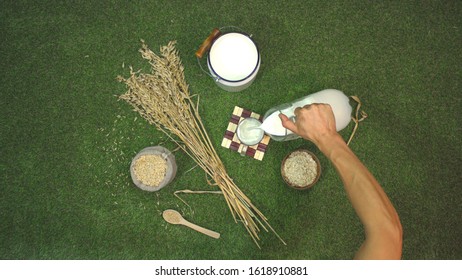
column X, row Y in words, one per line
column 339, row 102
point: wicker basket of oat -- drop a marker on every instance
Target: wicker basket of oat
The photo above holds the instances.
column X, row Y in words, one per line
column 153, row 168
column 301, row 169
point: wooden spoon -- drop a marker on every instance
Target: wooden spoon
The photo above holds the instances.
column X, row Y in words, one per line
column 175, row 218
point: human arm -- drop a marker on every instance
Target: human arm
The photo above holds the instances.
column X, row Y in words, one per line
column 382, row 226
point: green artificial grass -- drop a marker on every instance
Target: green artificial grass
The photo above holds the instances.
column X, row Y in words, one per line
column 66, row 142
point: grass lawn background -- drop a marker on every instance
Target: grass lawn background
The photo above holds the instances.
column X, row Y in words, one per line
column 66, row 142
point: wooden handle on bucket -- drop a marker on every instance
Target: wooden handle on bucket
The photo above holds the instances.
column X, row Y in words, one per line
column 208, row 42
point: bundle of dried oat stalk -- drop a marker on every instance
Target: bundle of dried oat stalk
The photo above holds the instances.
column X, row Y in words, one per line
column 162, row 97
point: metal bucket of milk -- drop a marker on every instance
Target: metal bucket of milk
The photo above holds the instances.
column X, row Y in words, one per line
column 233, row 59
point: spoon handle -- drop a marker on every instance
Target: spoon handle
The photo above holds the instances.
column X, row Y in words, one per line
column 201, row 229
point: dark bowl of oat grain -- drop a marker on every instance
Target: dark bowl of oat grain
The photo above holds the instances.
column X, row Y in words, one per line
column 301, row 169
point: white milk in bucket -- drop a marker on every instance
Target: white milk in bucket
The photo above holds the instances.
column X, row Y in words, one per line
column 233, row 59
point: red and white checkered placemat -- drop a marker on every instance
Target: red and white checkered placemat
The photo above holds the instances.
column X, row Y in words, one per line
column 230, row 140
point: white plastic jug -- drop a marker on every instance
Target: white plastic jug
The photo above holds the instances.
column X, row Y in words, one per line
column 272, row 124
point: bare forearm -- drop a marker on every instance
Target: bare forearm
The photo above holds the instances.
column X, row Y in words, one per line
column 364, row 191
column 316, row 123
column 379, row 217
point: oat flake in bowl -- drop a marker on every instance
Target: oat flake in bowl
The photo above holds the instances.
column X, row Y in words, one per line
column 301, row 169
column 150, row 169
column 153, row 168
